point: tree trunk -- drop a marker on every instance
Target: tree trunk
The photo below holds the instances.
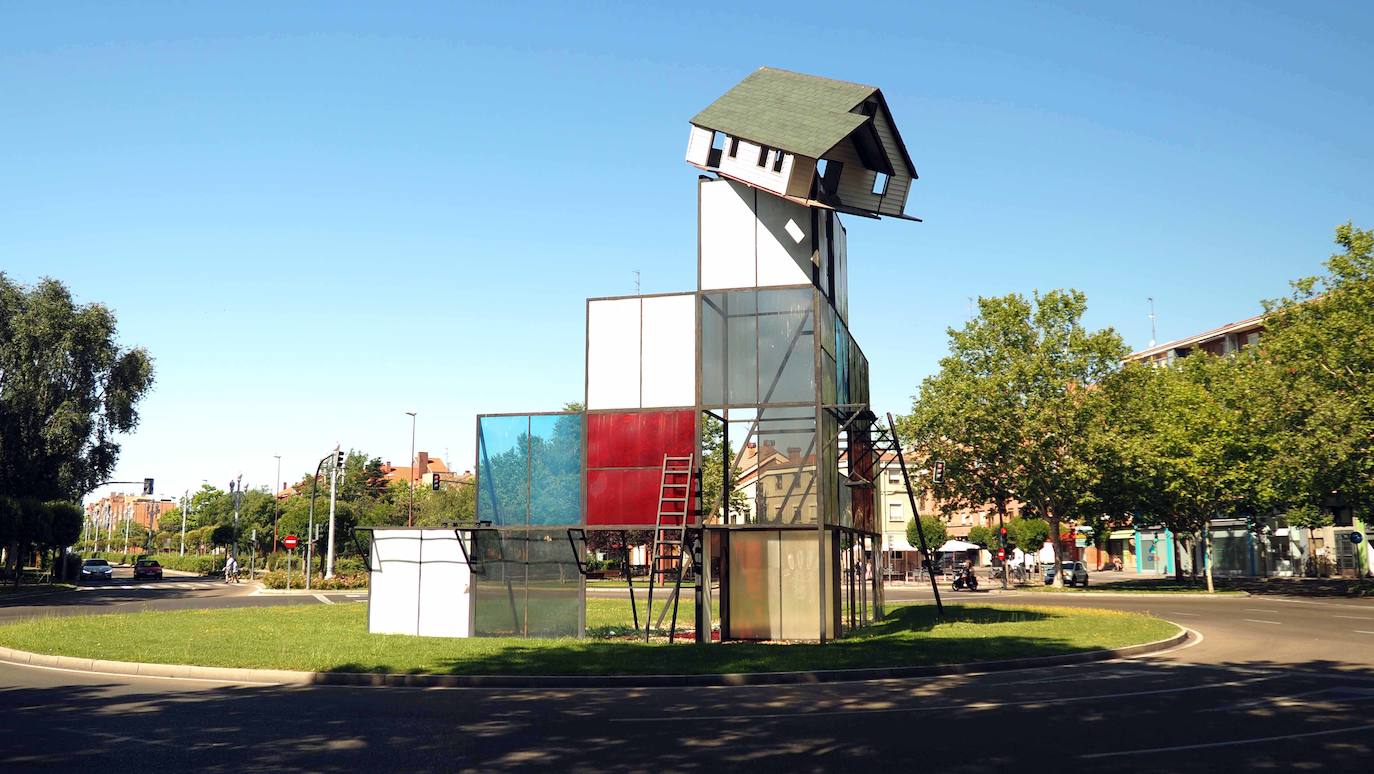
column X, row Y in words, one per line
column 1178, row 555
column 1058, row 552
column 1207, row 557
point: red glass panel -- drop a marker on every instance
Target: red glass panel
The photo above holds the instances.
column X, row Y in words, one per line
column 638, row 439
column 623, row 496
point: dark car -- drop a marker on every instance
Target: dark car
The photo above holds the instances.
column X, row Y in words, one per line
column 147, row 568
column 96, row 570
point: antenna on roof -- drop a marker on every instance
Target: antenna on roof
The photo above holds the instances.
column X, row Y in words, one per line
column 636, row 283
column 1152, row 320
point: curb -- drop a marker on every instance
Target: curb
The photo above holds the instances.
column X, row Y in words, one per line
column 386, row 680
column 1227, row 594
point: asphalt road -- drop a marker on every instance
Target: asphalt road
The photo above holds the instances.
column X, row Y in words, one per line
column 1271, row 684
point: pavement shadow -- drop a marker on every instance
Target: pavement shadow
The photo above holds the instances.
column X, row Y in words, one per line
column 1121, row 716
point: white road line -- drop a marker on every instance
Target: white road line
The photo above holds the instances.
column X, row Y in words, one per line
column 1259, row 610
column 1180, row 612
column 324, row 599
column 1256, row 620
column 1354, row 617
column 1230, row 743
column 1362, row 631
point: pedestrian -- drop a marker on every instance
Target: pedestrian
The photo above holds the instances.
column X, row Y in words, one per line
column 231, row 570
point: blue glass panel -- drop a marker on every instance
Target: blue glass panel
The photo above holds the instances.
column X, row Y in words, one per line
column 556, row 469
column 503, row 470
column 841, row 363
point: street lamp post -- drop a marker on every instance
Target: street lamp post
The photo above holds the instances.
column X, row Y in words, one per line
column 185, row 504
column 276, row 502
column 236, row 491
column 410, row 511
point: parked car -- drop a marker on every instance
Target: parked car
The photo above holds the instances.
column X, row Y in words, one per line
column 147, row 568
column 1075, row 574
column 96, row 570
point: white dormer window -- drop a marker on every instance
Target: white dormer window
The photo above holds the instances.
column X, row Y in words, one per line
column 763, row 155
column 734, row 146
column 777, row 161
column 879, row 183
column 717, row 141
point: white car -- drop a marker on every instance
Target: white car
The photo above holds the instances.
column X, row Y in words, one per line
column 96, row 569
column 1075, row 574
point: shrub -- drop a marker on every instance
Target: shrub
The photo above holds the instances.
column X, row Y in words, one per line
column 341, row 581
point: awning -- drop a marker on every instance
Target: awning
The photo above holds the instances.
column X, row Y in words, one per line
column 897, row 543
column 958, row 545
column 1121, row 534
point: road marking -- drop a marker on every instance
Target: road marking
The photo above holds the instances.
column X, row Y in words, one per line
column 1354, row 617
column 980, row 705
column 1362, row 631
column 1180, row 612
column 1230, row 743
column 1256, row 620
column 1259, row 610
column 324, row 599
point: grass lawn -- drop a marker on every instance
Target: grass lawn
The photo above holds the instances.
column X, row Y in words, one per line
column 335, row 638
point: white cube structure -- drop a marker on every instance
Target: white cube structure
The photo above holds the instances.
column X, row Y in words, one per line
column 420, row 582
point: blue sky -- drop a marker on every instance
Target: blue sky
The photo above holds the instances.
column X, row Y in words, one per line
column 320, row 216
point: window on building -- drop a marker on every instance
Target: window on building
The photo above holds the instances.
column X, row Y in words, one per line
column 718, row 141
column 777, row 483
column 777, row 161
column 1252, row 338
column 894, row 477
column 763, row 155
column 894, row 512
column 734, row 146
column 879, row 183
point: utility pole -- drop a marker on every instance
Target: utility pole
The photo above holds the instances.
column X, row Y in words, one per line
column 128, row 507
column 333, row 496
column 410, row 512
column 1152, row 320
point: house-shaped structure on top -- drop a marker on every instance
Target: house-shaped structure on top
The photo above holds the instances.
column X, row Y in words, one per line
column 732, row 422
column 813, row 141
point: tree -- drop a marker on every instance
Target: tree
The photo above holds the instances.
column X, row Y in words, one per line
column 984, row 536
column 66, row 391
column 1028, row 534
column 1318, row 348
column 713, row 460
column 1013, row 411
column 935, row 534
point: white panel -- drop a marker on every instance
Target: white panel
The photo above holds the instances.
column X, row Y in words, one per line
column 727, row 235
column 784, row 242
column 445, row 586
column 613, row 354
column 745, row 166
column 394, row 593
column 699, row 145
column 669, row 371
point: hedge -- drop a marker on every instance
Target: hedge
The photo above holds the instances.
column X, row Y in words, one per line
column 340, row 581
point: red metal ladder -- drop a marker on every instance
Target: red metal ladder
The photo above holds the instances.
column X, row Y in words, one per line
column 670, row 552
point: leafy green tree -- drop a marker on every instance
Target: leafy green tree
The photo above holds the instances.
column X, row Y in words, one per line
column 1318, row 346
column 984, row 536
column 1013, row 412
column 935, row 533
column 66, row 391
column 714, row 457
column 1028, row 534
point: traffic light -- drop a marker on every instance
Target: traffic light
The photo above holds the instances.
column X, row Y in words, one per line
column 147, row 486
column 939, row 471
column 338, row 459
column 434, row 484
column 1002, row 535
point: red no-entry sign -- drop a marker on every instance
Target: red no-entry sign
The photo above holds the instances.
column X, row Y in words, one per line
column 290, row 542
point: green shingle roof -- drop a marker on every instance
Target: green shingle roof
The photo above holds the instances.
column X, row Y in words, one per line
column 802, row 114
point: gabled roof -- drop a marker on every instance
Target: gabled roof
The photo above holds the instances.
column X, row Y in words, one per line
column 802, row 114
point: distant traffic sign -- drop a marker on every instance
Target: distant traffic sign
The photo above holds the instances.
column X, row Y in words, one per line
column 290, row 542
